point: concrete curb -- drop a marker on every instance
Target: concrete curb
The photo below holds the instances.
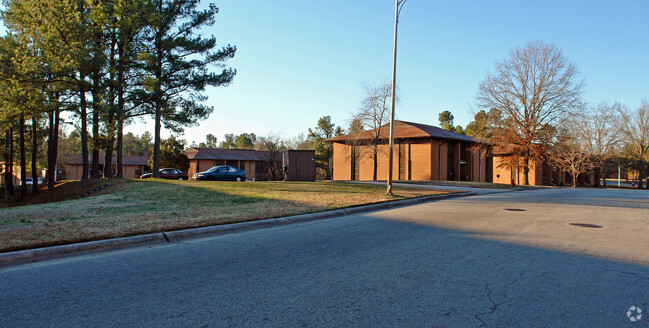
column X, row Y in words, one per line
column 47, row 253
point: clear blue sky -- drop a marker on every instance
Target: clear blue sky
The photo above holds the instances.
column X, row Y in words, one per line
column 299, row 60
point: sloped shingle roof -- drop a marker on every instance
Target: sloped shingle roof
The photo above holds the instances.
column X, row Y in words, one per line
column 408, row 130
column 227, row 154
column 126, row 160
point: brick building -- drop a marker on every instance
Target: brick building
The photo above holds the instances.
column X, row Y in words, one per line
column 421, row 152
column 252, row 161
column 132, row 166
column 300, row 164
column 540, row 173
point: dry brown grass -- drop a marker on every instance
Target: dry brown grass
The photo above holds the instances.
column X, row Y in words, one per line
column 129, row 208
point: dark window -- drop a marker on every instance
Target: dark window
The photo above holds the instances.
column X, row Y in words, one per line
column 450, row 160
column 402, row 162
column 260, row 170
column 357, row 164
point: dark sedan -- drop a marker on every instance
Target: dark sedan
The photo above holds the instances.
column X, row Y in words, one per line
column 222, row 172
column 174, row 174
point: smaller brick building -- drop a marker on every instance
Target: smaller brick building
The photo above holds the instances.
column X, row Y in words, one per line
column 540, row 173
column 299, row 164
column 132, row 166
column 421, row 152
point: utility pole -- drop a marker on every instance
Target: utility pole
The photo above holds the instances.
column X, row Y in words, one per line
column 397, row 10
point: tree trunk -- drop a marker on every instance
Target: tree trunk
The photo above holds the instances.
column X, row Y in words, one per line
column 376, row 164
column 330, row 167
column 94, row 168
column 6, row 167
column 9, row 170
column 604, row 173
column 23, row 157
column 157, row 94
column 574, row 180
column 51, row 165
column 526, row 168
column 156, row 144
column 84, row 132
column 120, row 146
column 55, row 151
column 111, row 115
column 52, row 146
column 108, row 160
column 120, row 110
column 94, row 171
column 34, row 156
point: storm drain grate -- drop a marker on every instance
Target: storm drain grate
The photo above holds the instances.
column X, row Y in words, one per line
column 515, row 209
column 586, row 225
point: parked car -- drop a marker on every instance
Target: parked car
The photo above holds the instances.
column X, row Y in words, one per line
column 31, row 181
column 221, row 172
column 174, row 174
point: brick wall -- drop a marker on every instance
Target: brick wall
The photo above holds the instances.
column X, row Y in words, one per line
column 420, row 161
column 342, row 165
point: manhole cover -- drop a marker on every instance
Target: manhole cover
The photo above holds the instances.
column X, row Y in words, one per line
column 586, row 225
column 515, row 209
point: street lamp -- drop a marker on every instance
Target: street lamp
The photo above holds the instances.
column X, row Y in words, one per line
column 397, row 10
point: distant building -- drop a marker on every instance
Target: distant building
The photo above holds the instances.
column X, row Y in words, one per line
column 540, row 173
column 289, row 165
column 421, row 152
column 132, row 166
column 299, row 165
column 16, row 178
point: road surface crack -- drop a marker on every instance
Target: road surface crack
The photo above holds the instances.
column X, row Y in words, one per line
column 638, row 276
column 492, row 309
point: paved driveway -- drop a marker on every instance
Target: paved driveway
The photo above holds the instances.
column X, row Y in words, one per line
column 498, row 260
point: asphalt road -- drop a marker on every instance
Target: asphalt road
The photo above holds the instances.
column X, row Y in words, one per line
column 496, row 260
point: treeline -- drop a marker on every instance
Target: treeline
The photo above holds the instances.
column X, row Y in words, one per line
column 592, row 138
column 532, row 105
column 103, row 63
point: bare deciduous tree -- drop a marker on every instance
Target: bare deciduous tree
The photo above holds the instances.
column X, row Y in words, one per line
column 571, row 150
column 597, row 129
column 374, row 114
column 533, row 88
column 634, row 128
column 274, row 147
column 299, row 142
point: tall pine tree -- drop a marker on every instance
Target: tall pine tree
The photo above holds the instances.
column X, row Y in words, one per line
column 176, row 61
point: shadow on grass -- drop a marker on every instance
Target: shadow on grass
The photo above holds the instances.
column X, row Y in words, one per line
column 62, row 191
column 139, row 207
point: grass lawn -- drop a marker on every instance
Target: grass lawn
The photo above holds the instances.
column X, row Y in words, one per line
column 133, row 207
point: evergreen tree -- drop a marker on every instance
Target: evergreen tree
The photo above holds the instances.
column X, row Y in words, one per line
column 446, row 120
column 176, row 62
column 228, row 141
column 324, row 150
column 172, row 154
column 245, row 141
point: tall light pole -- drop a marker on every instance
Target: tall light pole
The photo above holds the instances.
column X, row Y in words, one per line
column 397, row 10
